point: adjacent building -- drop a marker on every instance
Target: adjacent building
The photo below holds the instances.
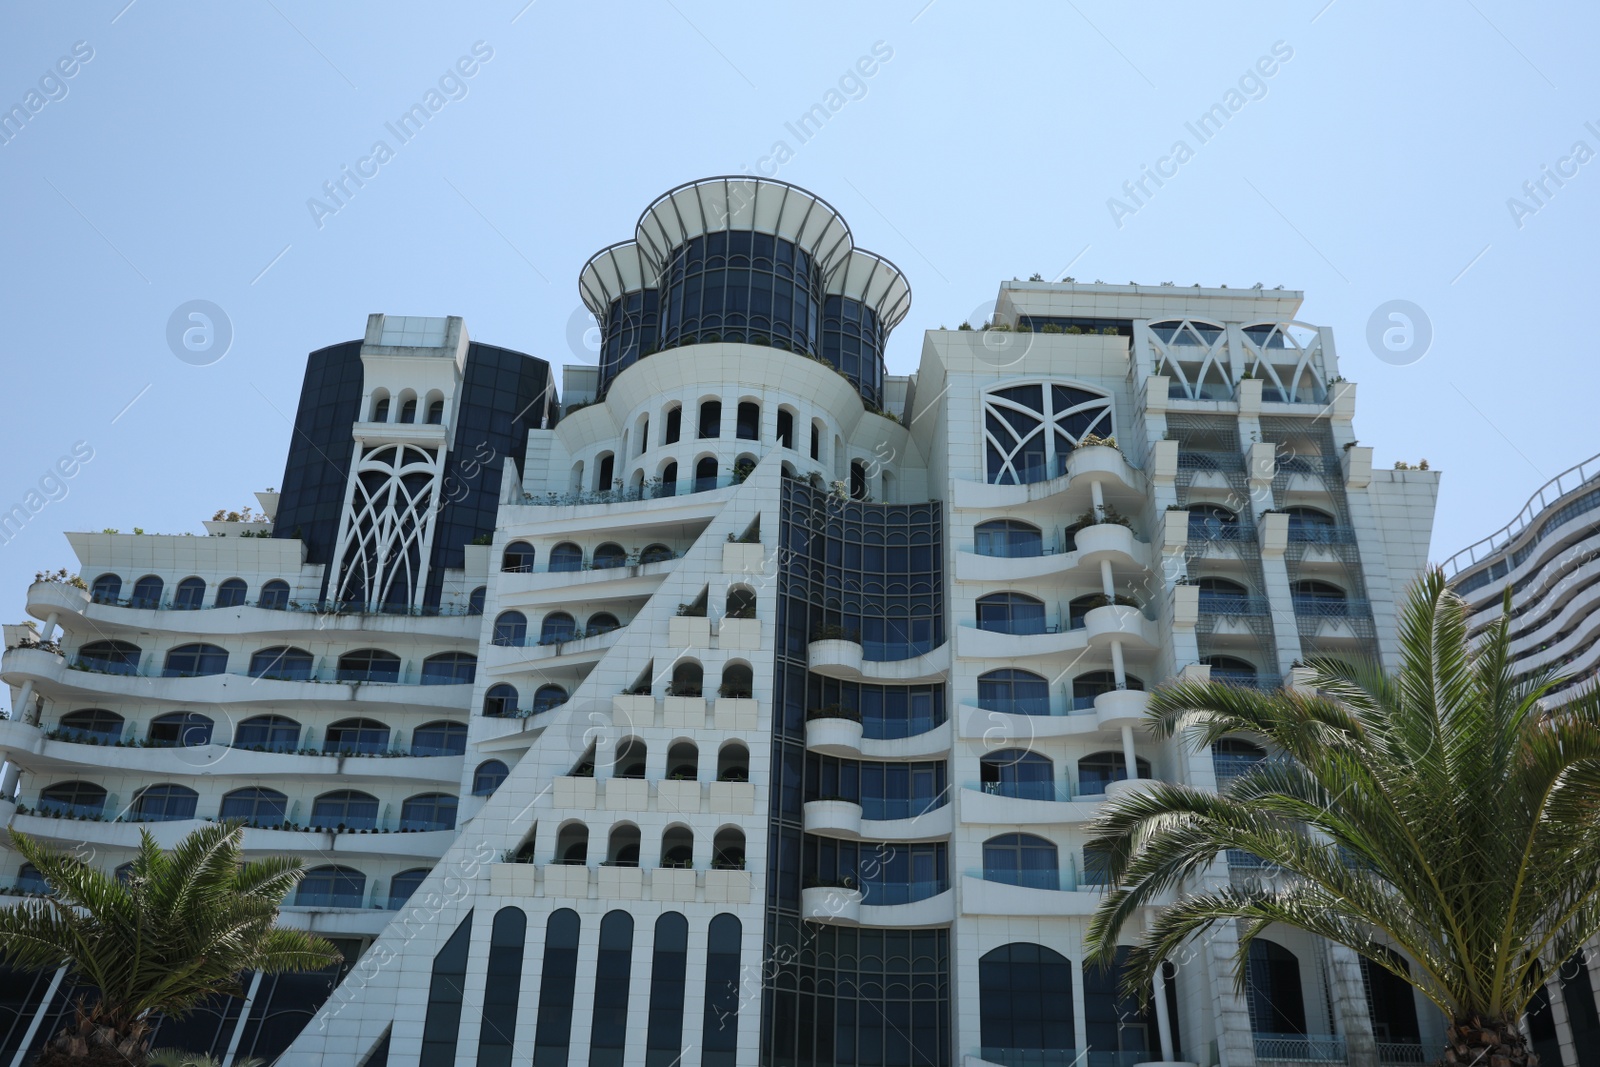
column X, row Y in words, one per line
column 751, row 704
column 1548, row 559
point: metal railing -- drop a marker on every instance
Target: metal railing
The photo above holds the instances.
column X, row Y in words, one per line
column 1566, row 482
column 1231, row 604
column 1300, row 1048
column 1402, row 1054
column 688, row 486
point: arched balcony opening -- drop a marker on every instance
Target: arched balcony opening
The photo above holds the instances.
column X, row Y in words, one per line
column 740, row 603
column 488, row 776
column 727, row 849
column 630, row 761
column 267, row 733
column 710, row 419
column 557, row 627
column 1099, row 769
column 356, row 737
column 517, row 558
column 609, row 555
column 231, row 593
column 1018, row 773
column 733, row 763
column 500, row 700
column 683, row 761
column 738, row 681
column 688, row 679
column 748, row 422
column 1008, row 539
column 1091, row 684
column 677, row 847
column 623, row 848
column 1023, row 860
column 110, row 657
column 572, row 845
column 195, row 661
column 510, row 629
column 705, row 474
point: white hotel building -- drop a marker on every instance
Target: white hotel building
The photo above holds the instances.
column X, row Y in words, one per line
column 748, row 705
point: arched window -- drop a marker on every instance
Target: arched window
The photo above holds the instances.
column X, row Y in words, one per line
column 331, row 887
column 147, row 592
column 450, row 668
column 608, row 1032
column 669, row 966
column 1021, row 859
column 566, row 557
column 858, row 480
column 96, row 725
column 441, row 738
column 1014, row 692
column 572, row 845
column 274, row 595
column 683, row 761
column 487, row 778
column 1025, row 1004
column 107, row 588
column 816, row 440
column 1099, row 769
column 740, row 603
column 1232, row 670
column 1277, row 1002
column 403, row 886
column 518, row 558
column 181, row 729
column 510, row 629
column 557, row 627
column 601, row 622
column 164, row 803
column 231, row 593
column 1233, row 756
column 672, row 425
column 548, row 696
column 727, row 850
column 1087, row 686
column 429, row 811
column 738, row 682
column 719, row 1031
column 500, row 700
column 623, row 849
column 267, row 733
column 350, row 808
column 29, row 880
column 282, row 662
column 380, row 407
column 1312, row 597
column 436, row 413
column 605, row 469
column 475, row 600
column 642, row 439
column 194, row 661
column 677, row 847
column 408, row 409
column 1016, row 772
column 631, row 755
column 748, row 423
column 705, row 474
column 362, row 737
column 733, row 763
column 1011, row 613
column 368, row 665
column 1311, row 525
column 786, row 428
column 669, row 480
column 1008, row 538
column 688, row 679
column 557, row 987
column 711, row 419
column 1029, row 430
column 1393, row 1001
column 1212, row 522
column 110, row 657
column 609, row 555
column 73, row 798
column 1223, row 596
column 655, row 553
column 190, row 595
column 255, row 806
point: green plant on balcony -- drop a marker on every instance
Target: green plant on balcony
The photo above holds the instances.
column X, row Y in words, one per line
column 61, row 576
column 833, row 711
column 1093, row 439
column 833, row 631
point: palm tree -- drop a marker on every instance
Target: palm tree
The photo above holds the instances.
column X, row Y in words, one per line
column 1439, row 812
column 182, row 928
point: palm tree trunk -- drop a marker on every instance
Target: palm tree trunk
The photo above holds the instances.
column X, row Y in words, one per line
column 1477, row 1042
column 93, row 1039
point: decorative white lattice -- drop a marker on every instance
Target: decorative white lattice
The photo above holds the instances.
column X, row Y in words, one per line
column 1029, row 429
column 1201, row 364
column 386, row 533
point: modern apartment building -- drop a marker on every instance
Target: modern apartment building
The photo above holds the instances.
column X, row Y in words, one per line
column 773, row 694
column 1548, row 558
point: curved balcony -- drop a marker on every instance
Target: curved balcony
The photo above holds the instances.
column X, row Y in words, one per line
column 975, row 643
column 833, row 818
column 1110, row 541
column 936, row 910
column 981, row 896
column 1124, row 787
column 541, row 653
column 981, row 805
column 59, row 598
column 307, row 619
column 1103, row 462
column 1118, row 622
column 933, row 824
column 934, row 742
column 831, row 904
column 425, row 844
column 988, row 725
column 833, row 736
column 1121, row 707
column 543, row 587
column 844, row 659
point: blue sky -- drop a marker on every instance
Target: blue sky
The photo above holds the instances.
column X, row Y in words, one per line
column 175, row 164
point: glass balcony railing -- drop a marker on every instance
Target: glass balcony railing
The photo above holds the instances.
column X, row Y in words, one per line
column 1040, row 790
column 889, row 894
column 1031, row 1057
column 1047, row 878
column 1231, row 604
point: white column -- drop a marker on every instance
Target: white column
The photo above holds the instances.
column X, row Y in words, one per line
column 1108, row 585
column 1118, row 669
column 24, row 699
column 38, row 1017
column 1097, row 493
column 1350, row 1006
column 49, row 628
column 244, row 1016
column 1128, row 753
column 1163, row 1023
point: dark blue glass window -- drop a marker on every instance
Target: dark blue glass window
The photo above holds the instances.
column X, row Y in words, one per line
column 110, row 657
column 547, row 697
column 282, row 662
column 274, row 595
column 1014, row 692
column 852, row 341
column 369, row 665
column 608, row 1037
column 609, row 555
column 668, row 971
column 1021, row 859
column 345, row 807
column 898, row 790
column 628, row 333
column 1086, row 687
column 190, row 595
column 1099, row 769
column 93, row 725
column 429, row 811
column 743, row 287
column 107, row 588
column 487, row 778
column 449, row 668
column 500, row 700
column 886, row 874
column 362, row 737
column 193, row 661
column 1009, row 538
column 553, row 1034
column 231, row 593
column 441, row 1027
column 720, row 1035
column 147, row 592
column 164, row 803
column 1018, row 773
column 439, row 739
column 518, row 558
column 1011, row 613
column 272, row 733
column 73, row 798
column 180, row 729
column 475, row 600
column 566, row 557
column 510, row 629
column 503, row 987
column 1025, row 1006
column 404, row 885
column 557, row 626
column 332, row 887
column 257, row 806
